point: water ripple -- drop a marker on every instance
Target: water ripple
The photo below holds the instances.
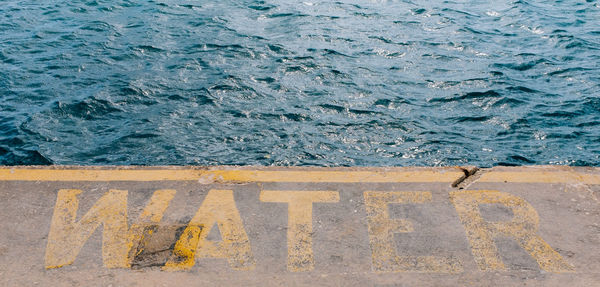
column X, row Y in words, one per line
column 277, row 82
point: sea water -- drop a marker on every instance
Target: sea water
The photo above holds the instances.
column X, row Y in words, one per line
column 300, row 82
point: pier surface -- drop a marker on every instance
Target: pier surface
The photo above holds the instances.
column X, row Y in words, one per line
column 258, row 226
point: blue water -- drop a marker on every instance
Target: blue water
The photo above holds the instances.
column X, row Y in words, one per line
column 300, row 82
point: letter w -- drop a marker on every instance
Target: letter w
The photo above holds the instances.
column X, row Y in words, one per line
column 67, row 236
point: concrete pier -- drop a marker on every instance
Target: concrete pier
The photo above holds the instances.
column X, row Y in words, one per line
column 258, row 226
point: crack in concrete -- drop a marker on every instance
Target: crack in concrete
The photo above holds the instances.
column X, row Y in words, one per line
column 469, row 171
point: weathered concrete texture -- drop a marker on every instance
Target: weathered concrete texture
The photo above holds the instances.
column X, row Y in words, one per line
column 224, row 226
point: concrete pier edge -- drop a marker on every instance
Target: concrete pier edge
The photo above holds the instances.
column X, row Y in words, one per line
column 299, row 226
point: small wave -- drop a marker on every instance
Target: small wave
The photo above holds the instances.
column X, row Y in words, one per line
column 287, row 15
column 476, row 119
column 522, row 66
column 332, row 107
column 568, row 71
column 467, row 96
column 97, row 26
column 88, row 109
column 148, row 48
column 516, row 160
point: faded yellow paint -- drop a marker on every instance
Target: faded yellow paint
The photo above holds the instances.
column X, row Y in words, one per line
column 299, row 232
column 226, row 175
column 336, row 176
column 381, row 235
column 540, row 177
column 522, row 228
column 218, row 207
column 67, row 236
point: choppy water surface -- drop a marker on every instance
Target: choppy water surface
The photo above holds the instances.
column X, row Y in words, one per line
column 300, row 82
